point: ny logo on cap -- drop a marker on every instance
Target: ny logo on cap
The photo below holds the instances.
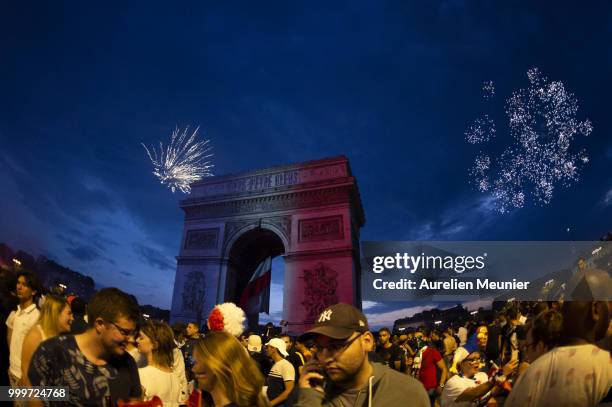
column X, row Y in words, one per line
column 325, row 315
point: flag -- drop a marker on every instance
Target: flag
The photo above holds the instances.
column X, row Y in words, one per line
column 256, row 295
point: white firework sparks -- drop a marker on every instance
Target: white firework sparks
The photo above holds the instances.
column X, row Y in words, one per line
column 182, row 162
column 542, row 121
column 488, row 90
column 482, row 163
column 483, row 129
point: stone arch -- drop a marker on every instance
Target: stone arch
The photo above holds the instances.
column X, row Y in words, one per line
column 309, row 212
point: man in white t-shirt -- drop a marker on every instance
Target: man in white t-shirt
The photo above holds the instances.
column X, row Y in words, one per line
column 281, row 378
column 470, row 385
column 21, row 320
column 580, row 373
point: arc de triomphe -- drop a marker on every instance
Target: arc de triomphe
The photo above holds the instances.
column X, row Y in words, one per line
column 310, row 213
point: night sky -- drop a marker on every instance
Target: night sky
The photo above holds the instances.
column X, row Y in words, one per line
column 392, row 85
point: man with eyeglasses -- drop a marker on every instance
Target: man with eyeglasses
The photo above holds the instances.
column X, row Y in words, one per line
column 340, row 374
column 94, row 365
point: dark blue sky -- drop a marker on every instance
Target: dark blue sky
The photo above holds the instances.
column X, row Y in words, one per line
column 391, row 85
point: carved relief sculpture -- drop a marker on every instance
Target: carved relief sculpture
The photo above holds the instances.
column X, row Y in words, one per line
column 316, row 230
column 194, row 290
column 202, row 239
column 320, row 284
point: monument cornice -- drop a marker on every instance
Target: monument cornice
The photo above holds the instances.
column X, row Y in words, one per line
column 304, row 198
column 312, row 166
column 287, row 190
column 285, row 181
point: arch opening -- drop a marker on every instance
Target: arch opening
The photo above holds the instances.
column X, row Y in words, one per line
column 247, row 252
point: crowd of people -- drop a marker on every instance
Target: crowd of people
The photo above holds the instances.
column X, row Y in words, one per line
column 105, row 353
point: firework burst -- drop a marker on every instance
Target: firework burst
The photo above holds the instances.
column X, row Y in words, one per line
column 483, row 129
column 182, row 162
column 488, row 90
column 543, row 124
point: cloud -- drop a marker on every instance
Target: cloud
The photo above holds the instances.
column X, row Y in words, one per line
column 608, row 198
column 274, row 317
column 366, row 305
column 14, row 165
column 62, row 196
column 383, row 315
column 463, row 219
column 82, row 235
column 84, row 253
column 447, row 230
column 276, row 305
column 99, row 198
column 387, row 319
column 276, row 297
column 424, row 231
column 154, row 257
column 481, row 302
column 17, row 220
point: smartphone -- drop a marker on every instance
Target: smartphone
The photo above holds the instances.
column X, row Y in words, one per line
column 318, row 367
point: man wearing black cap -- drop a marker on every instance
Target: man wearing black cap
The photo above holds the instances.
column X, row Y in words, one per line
column 341, row 374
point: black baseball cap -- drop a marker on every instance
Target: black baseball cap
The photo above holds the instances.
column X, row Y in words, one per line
column 338, row 321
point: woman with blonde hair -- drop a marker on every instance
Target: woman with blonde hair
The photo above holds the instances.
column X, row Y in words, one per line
column 158, row 378
column 55, row 319
column 226, row 373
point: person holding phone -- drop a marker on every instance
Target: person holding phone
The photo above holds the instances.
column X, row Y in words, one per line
column 340, row 373
column 471, row 386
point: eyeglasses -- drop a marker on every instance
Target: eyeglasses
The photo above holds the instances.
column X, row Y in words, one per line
column 336, row 348
column 123, row 331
